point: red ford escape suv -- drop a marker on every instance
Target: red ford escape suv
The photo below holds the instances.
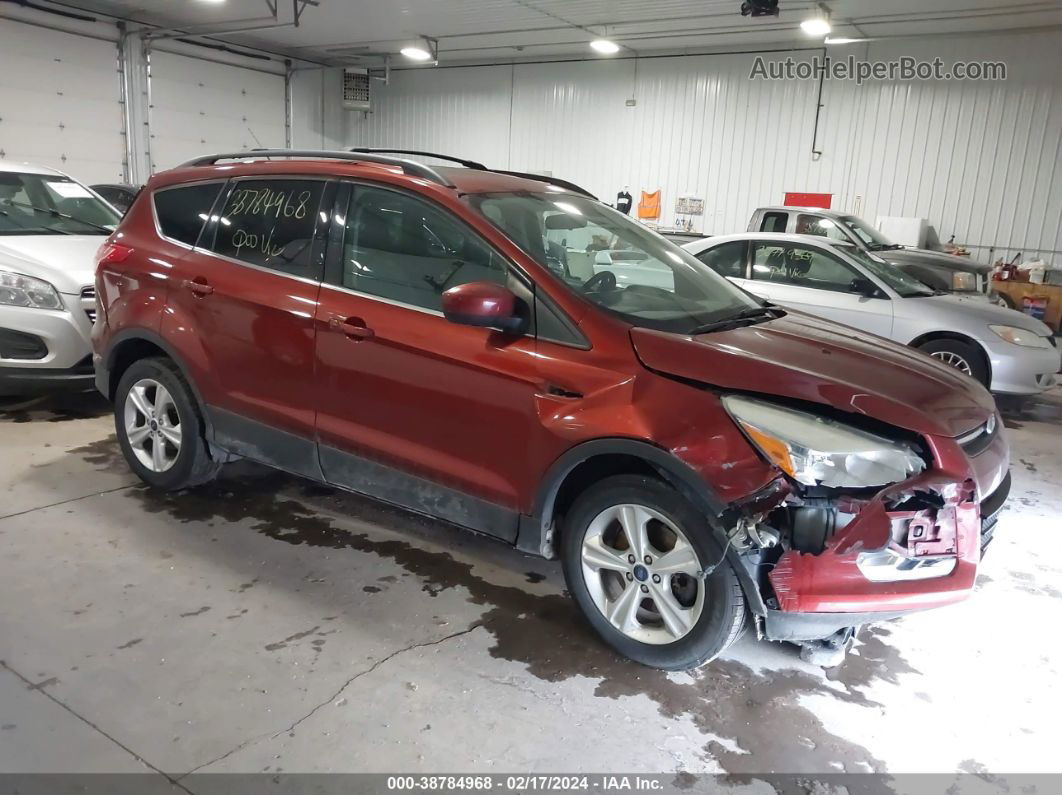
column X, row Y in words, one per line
column 503, row 352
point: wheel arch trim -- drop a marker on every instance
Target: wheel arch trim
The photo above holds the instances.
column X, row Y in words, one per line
column 537, row 532
column 116, row 342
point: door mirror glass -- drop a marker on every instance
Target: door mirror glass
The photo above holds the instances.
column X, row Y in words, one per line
column 484, row 304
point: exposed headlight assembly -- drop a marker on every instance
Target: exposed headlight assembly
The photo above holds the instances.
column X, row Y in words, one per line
column 1020, row 336
column 19, row 290
column 817, row 451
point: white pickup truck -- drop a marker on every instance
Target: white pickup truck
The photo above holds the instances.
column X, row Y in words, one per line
column 935, row 269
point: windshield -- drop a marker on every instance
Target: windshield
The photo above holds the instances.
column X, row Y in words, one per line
column 871, row 237
column 615, row 262
column 905, row 286
column 47, row 204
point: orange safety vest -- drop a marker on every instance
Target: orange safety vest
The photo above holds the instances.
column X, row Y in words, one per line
column 649, row 206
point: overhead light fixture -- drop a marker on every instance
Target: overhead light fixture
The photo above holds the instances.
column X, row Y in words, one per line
column 818, row 24
column 604, row 46
column 842, row 40
column 416, row 53
column 422, row 50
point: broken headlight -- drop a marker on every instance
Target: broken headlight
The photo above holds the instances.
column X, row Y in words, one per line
column 817, row 451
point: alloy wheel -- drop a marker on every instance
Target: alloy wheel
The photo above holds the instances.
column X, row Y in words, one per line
column 953, row 360
column 643, row 574
column 152, row 425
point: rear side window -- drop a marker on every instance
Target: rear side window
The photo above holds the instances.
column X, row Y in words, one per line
column 183, row 211
column 270, row 223
column 774, row 222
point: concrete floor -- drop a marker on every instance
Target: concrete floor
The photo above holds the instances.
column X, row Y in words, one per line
column 265, row 623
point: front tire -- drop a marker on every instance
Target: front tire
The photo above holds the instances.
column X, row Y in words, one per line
column 159, row 427
column 963, row 356
column 633, row 551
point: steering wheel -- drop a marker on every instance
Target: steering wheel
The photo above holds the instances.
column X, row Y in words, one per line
column 604, row 280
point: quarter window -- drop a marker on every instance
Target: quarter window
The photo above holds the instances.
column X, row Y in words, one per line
column 405, row 250
column 271, row 223
column 183, row 211
column 727, row 259
column 801, row 266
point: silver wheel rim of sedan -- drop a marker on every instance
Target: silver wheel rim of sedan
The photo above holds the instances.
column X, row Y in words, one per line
column 953, row 359
column 152, row 425
column 650, row 594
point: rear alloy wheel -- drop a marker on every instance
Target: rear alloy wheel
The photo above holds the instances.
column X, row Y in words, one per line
column 634, row 556
column 963, row 356
column 159, row 427
column 152, row 425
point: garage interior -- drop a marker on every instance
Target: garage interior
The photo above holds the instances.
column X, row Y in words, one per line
column 264, row 623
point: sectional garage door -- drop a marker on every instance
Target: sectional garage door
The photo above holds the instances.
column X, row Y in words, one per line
column 60, row 107
column 199, row 107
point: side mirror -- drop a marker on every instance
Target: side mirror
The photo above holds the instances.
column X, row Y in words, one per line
column 483, row 304
column 864, row 287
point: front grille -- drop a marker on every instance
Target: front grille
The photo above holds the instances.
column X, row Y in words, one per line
column 88, row 302
column 978, row 440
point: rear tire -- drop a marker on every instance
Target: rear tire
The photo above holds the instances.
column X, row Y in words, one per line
column 696, row 618
column 963, row 356
column 159, row 427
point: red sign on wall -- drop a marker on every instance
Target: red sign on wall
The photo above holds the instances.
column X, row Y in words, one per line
column 822, row 200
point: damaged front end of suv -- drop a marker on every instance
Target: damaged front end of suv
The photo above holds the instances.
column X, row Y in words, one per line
column 864, row 523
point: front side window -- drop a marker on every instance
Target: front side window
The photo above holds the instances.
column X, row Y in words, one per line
column 46, row 204
column 270, row 223
column 904, row 284
column 401, row 248
column 613, row 261
column 182, row 211
column 801, row 266
column 820, row 226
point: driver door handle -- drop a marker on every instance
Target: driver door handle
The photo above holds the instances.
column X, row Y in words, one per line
column 353, row 327
column 198, row 286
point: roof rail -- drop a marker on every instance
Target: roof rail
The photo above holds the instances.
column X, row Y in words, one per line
column 408, row 166
column 458, row 160
column 561, row 183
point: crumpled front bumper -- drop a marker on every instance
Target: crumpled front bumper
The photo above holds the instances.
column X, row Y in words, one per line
column 839, row 579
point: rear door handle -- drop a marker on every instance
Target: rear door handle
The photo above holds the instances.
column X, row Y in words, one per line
column 198, row 286
column 353, row 327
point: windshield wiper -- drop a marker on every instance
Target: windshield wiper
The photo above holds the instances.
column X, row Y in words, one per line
column 745, row 317
column 57, row 214
column 32, row 229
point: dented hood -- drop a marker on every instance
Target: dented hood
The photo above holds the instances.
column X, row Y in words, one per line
column 810, row 359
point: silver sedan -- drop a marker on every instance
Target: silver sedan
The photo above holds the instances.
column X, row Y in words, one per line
column 1007, row 351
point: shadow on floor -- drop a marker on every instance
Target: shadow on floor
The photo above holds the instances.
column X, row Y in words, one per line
column 1016, row 410
column 54, row 408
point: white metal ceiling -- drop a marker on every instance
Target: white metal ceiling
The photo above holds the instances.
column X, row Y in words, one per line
column 492, row 30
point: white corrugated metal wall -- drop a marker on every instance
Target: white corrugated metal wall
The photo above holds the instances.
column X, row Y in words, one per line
column 199, row 107
column 61, row 98
column 59, row 102
column 976, row 159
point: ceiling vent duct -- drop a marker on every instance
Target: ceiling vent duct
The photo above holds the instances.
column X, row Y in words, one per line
column 356, row 92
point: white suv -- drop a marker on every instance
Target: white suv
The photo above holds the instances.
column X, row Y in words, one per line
column 50, row 228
